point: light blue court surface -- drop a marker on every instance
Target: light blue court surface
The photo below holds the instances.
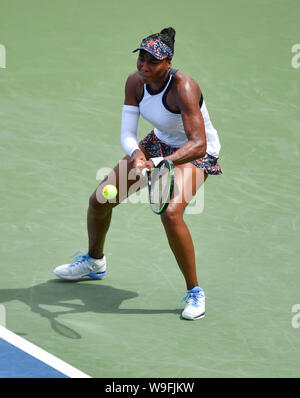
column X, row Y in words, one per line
column 21, row 359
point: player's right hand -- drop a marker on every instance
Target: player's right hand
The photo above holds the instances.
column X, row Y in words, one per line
column 138, row 159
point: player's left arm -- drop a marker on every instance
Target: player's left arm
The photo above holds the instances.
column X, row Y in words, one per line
column 187, row 97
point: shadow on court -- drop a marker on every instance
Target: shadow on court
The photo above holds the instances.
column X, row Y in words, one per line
column 94, row 296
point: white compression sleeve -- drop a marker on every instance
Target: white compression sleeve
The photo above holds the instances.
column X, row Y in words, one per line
column 130, row 119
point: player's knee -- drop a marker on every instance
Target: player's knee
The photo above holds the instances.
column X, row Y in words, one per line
column 95, row 204
column 99, row 204
column 172, row 214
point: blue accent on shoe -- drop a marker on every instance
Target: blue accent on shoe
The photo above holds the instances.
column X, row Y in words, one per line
column 93, row 275
column 193, row 293
column 81, row 258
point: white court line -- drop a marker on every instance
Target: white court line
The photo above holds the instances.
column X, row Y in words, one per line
column 41, row 354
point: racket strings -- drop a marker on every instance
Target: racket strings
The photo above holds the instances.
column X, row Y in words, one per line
column 160, row 187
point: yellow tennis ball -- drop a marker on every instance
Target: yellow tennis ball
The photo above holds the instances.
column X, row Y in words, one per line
column 109, row 191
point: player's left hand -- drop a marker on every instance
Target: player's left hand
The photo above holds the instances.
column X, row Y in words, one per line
column 147, row 164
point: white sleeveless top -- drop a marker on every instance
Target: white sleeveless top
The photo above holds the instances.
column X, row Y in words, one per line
column 168, row 125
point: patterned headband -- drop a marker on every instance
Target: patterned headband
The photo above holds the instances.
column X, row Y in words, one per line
column 157, row 48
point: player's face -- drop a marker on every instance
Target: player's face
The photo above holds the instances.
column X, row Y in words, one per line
column 152, row 70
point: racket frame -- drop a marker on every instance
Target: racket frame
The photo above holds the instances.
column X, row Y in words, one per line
column 170, row 187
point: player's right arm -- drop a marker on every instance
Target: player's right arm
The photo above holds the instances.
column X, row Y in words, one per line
column 130, row 119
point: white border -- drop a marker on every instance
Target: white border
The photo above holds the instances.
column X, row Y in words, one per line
column 41, row 354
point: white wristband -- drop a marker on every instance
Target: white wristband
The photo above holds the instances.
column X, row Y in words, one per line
column 156, row 161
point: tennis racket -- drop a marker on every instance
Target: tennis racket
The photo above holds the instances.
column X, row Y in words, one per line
column 160, row 185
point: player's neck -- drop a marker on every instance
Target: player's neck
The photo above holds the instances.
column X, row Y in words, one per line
column 158, row 85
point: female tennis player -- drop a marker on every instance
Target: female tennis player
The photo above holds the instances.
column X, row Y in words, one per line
column 173, row 103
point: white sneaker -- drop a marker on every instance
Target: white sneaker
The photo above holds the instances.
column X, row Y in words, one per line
column 83, row 266
column 195, row 304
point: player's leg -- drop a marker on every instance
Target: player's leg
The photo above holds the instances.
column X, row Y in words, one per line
column 188, row 179
column 100, row 210
column 93, row 263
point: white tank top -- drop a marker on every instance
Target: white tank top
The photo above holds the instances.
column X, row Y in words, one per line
column 168, row 125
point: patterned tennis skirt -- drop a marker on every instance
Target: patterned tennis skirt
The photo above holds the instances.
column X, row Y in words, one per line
column 157, row 148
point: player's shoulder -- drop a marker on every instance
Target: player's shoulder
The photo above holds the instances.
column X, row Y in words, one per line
column 134, row 79
column 183, row 81
column 133, row 88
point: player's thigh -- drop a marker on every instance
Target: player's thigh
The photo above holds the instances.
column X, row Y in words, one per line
column 124, row 178
column 188, row 179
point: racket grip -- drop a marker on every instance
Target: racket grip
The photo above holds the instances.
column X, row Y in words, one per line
column 144, row 171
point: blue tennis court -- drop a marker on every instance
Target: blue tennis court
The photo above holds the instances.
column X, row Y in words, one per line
column 21, row 359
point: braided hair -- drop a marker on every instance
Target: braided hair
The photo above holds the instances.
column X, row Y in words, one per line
column 167, row 36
